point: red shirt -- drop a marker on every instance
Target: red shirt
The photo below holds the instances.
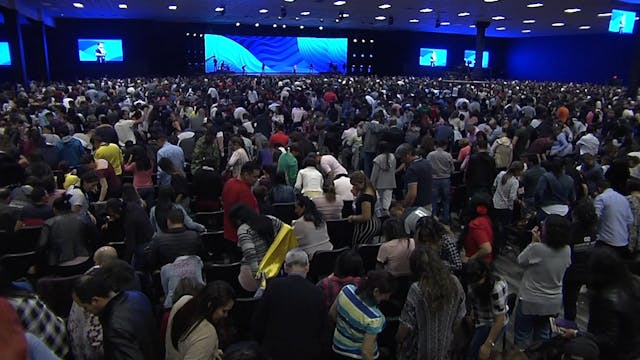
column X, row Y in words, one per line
column 480, row 232
column 236, row 191
column 279, row 139
column 330, row 97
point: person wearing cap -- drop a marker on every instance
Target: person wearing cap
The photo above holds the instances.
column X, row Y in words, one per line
column 290, row 318
column 417, row 178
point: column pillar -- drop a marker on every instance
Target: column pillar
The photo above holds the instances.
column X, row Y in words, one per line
column 481, row 28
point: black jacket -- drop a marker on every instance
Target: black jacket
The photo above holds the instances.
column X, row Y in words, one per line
column 290, row 319
column 129, row 329
column 614, row 320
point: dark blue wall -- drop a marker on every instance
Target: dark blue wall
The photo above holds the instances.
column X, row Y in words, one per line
column 584, row 58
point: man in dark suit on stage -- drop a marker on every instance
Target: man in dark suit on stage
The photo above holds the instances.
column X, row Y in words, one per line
column 290, row 319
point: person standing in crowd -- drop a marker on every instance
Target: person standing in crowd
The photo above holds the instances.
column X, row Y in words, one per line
column 555, row 191
column 191, row 329
column 478, row 234
column 108, row 151
column 432, row 234
column 330, row 205
column 238, row 191
column 288, row 164
column 614, row 219
column 383, row 176
column 142, row 168
column 309, row 179
column 238, row 157
column 480, row 169
column 393, row 255
column 206, row 150
column 349, row 269
column 545, row 260
column 367, row 224
column 310, row 228
column 126, row 317
column 530, row 180
column 358, row 318
column 173, row 153
column 330, row 166
column 487, row 295
column 177, row 241
column 442, row 164
column 505, row 196
column 418, row 178
column 291, row 317
column 435, row 306
column 371, row 131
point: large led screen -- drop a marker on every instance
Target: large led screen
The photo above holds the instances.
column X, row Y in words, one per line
column 5, row 55
column 276, row 53
column 100, row 50
column 622, row 22
column 433, row 57
column 470, row 58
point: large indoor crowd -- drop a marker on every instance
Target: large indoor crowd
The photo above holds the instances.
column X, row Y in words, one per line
column 321, row 217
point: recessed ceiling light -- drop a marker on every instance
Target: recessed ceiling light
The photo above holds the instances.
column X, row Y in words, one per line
column 237, row 24
column 604, row 14
column 572, row 10
column 526, row 31
column 321, row 28
column 275, row 25
column 414, row 20
column 345, row 15
column 289, row 1
column 173, row 7
column 585, row 27
column 530, row 21
column 426, row 10
column 384, row 6
column 445, row 23
column 219, row 9
column 637, row 18
column 472, row 26
column 558, row 24
column 257, row 24
column 305, row 13
column 491, row 1
column 284, row 26
column 497, row 18
column 339, row 2
column 501, row 28
column 535, row 5
column 301, row 27
column 122, row 6
column 263, row 11
column 78, row 5
column 463, row 14
column 380, row 18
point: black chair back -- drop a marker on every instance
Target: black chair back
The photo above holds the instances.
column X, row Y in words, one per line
column 25, row 240
column 218, row 249
column 213, row 221
column 56, row 293
column 369, row 254
column 227, row 273
column 347, row 208
column 323, row 263
column 285, row 212
column 17, row 265
column 242, row 317
column 340, row 233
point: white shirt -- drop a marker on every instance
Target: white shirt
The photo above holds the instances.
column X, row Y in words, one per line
column 124, row 129
column 343, row 188
column 309, row 179
column 297, row 114
column 239, row 112
column 348, row 135
column 331, row 166
column 588, row 144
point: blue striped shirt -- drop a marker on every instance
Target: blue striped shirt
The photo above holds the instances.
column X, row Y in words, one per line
column 355, row 320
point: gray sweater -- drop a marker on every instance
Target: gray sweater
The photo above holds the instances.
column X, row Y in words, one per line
column 383, row 175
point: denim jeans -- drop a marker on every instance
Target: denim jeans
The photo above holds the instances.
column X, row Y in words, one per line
column 527, row 325
column 440, row 198
column 368, row 162
column 479, row 337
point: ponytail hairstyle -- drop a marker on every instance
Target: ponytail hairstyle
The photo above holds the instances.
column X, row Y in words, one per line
column 311, row 213
column 515, row 167
column 329, row 189
column 358, row 177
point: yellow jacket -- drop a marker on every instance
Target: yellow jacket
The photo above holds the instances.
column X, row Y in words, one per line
column 272, row 261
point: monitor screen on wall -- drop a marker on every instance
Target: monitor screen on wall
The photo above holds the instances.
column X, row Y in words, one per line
column 5, row 54
column 274, row 54
column 433, row 57
column 622, row 22
column 470, row 58
column 100, row 50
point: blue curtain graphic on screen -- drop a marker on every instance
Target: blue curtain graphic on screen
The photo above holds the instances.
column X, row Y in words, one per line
column 622, row 22
column 100, row 50
column 470, row 58
column 274, row 54
column 433, row 57
column 5, row 55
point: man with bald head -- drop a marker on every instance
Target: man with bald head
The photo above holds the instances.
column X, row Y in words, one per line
column 105, row 255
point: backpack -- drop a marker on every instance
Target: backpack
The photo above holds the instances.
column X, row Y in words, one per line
column 503, row 156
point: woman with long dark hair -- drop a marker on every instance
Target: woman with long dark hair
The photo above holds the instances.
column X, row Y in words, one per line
column 178, row 181
column 394, row 253
column 433, row 234
column 165, row 203
column 309, row 180
column 142, row 168
column 435, row 306
column 367, row 224
column 487, row 295
column 191, row 331
column 358, row 318
column 329, row 204
column 310, row 228
column 256, row 233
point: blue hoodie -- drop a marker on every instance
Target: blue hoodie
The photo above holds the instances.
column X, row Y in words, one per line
column 70, row 150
